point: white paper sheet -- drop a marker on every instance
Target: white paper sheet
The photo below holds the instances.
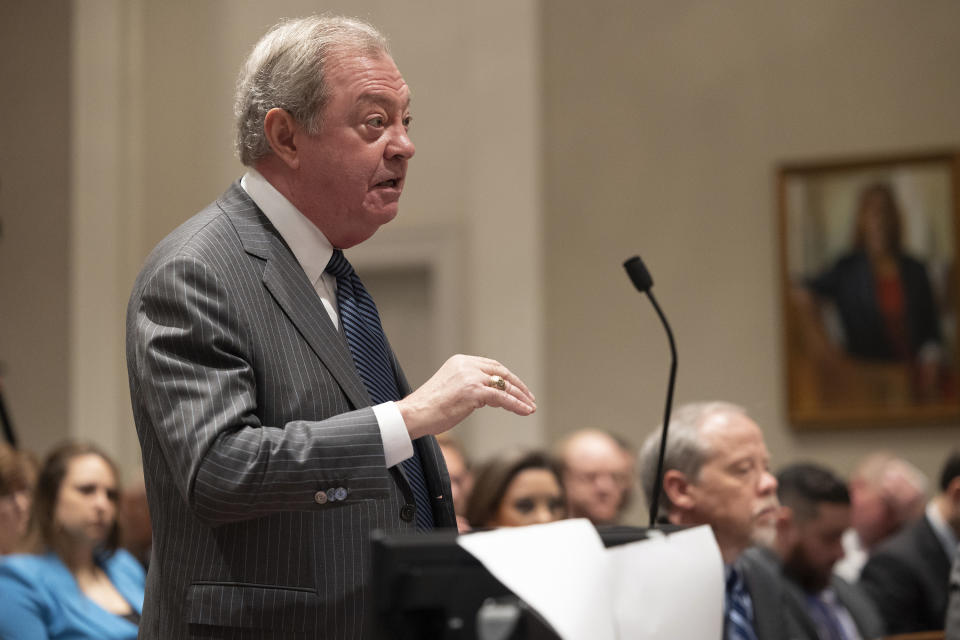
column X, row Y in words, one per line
column 560, row 569
column 668, row 587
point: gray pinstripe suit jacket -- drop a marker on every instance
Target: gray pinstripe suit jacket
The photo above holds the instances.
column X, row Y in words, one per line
column 247, row 403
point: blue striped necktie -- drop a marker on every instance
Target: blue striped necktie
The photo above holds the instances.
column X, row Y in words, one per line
column 739, row 622
column 368, row 346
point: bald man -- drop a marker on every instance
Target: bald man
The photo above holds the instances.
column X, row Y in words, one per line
column 886, row 493
column 597, row 475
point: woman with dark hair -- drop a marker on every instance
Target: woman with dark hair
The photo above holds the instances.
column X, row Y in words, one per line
column 515, row 490
column 77, row 584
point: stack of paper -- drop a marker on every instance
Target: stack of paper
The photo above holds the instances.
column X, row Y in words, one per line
column 663, row 587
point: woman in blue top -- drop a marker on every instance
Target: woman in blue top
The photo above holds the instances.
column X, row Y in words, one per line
column 78, row 585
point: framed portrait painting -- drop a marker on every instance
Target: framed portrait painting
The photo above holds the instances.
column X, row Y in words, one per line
column 870, row 289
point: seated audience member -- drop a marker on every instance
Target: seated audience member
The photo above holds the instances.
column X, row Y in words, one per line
column 716, row 473
column 886, row 492
column 953, row 607
column 516, row 489
column 597, row 475
column 908, row 575
column 16, row 490
column 461, row 476
column 815, row 511
column 78, row 584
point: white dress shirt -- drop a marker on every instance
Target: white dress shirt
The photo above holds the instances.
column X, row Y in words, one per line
column 943, row 531
column 854, row 557
column 313, row 251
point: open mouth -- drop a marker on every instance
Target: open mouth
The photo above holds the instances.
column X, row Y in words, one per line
column 390, row 184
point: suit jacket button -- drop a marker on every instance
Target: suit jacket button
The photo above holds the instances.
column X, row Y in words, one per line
column 341, row 493
column 407, row 512
column 320, row 497
column 331, row 495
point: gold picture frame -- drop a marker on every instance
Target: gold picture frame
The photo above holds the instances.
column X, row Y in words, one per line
column 870, row 288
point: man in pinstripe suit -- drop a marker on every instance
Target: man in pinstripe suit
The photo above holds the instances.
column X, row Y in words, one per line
column 266, row 465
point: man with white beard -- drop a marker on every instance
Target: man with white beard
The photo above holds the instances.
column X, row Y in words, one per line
column 717, row 472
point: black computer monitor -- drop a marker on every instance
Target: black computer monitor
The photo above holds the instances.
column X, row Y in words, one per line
column 426, row 586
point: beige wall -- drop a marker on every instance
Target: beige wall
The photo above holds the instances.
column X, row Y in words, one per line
column 554, row 139
column 34, row 214
column 663, row 125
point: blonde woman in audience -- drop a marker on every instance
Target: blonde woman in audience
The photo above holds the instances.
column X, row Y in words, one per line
column 16, row 487
column 517, row 489
column 76, row 584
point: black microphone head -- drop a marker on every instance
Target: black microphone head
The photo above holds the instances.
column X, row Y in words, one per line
column 638, row 274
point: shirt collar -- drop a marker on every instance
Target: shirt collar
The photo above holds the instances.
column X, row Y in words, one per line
column 308, row 244
column 940, row 527
column 828, row 596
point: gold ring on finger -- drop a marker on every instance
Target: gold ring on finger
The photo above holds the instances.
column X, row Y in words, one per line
column 498, row 382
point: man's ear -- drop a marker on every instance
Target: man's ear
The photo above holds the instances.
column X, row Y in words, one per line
column 677, row 488
column 280, row 128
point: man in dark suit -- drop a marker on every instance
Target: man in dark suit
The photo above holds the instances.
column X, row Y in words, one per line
column 716, row 472
column 815, row 512
column 886, row 493
column 908, row 575
column 276, row 426
column 953, row 607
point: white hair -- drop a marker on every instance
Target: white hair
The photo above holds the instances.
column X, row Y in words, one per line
column 686, row 452
column 287, row 69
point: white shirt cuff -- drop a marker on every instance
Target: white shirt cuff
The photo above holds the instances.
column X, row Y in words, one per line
column 397, row 445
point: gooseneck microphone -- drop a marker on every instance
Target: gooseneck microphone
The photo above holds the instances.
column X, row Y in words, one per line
column 644, row 283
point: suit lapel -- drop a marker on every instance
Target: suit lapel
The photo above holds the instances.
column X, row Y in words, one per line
column 284, row 278
column 796, row 603
column 766, row 595
column 861, row 609
column 929, row 549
